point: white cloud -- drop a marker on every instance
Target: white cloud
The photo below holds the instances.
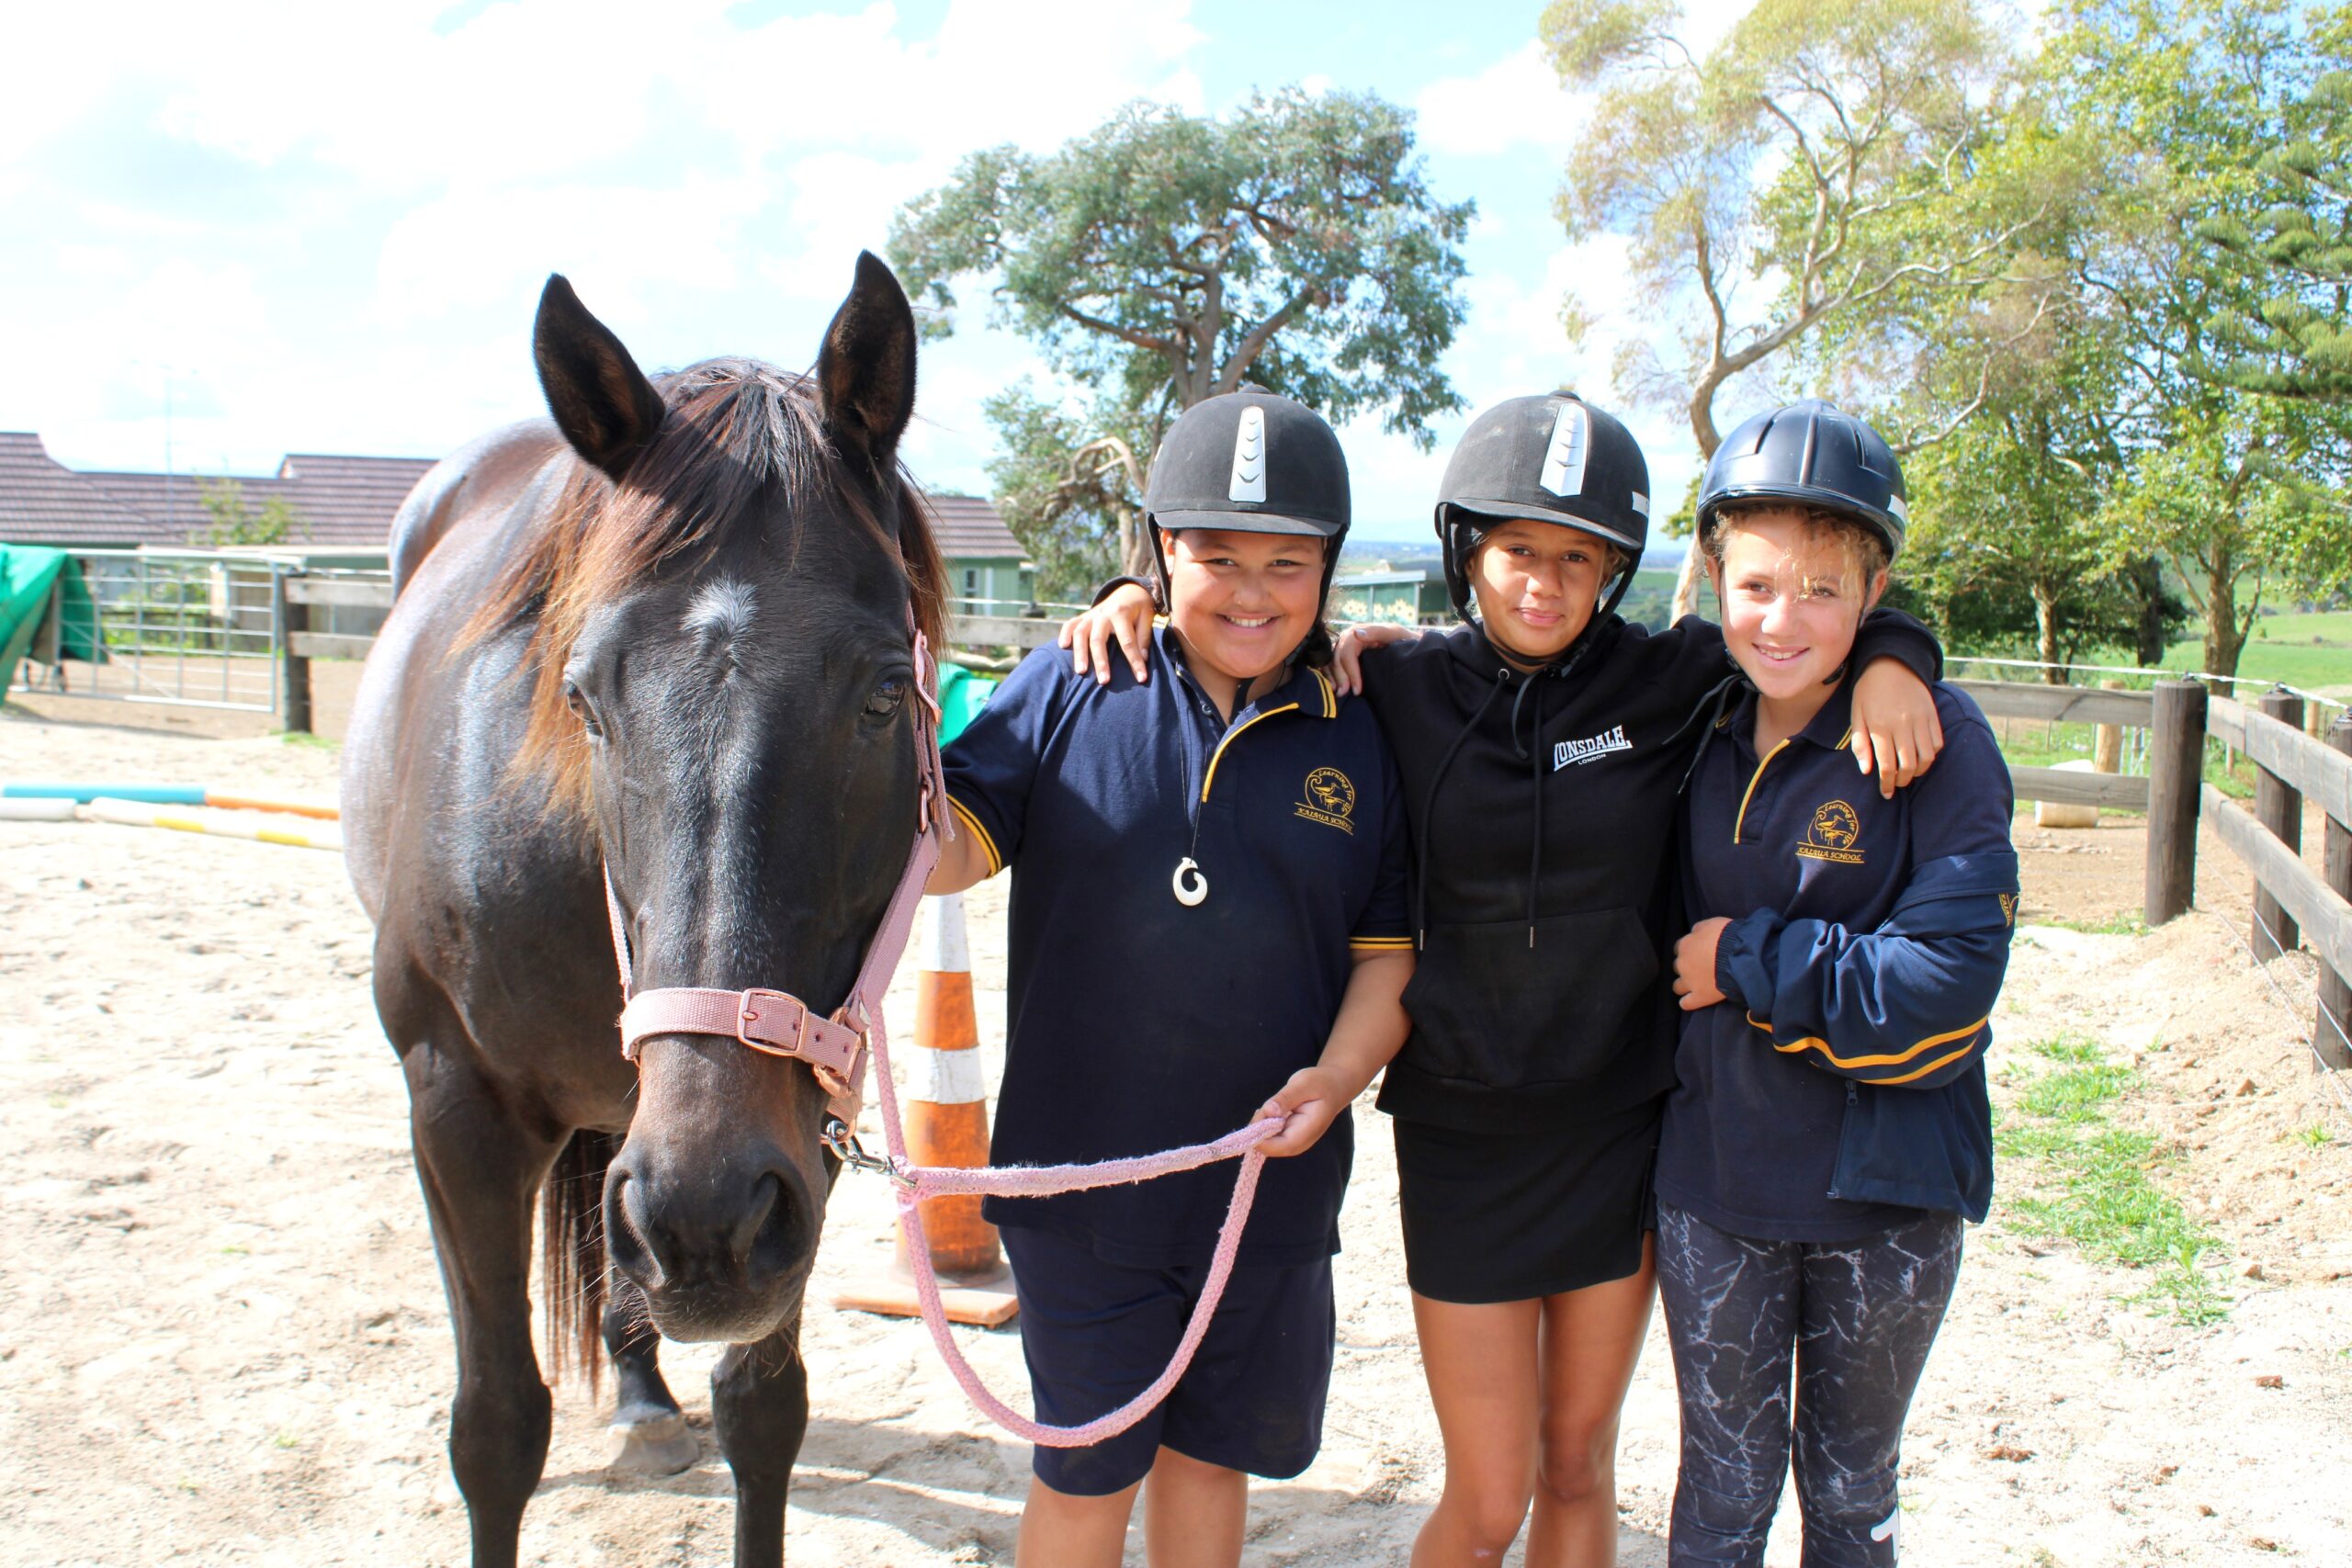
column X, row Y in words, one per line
column 350, row 259
column 1515, row 103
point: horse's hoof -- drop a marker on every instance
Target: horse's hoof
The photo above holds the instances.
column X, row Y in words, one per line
column 662, row 1445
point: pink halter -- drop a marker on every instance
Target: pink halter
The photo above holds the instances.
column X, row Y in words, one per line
column 778, row 1022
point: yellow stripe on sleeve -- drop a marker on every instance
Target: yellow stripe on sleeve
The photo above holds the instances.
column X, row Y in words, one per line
column 1379, row 944
column 1931, row 1067
column 1929, row 1043
column 972, row 823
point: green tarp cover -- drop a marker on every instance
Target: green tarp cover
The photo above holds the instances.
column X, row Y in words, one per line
column 961, row 695
column 28, row 573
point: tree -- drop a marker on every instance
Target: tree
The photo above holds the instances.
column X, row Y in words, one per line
column 1075, row 499
column 236, row 522
column 1163, row 259
column 2010, row 402
column 2227, row 501
column 2296, row 251
column 1791, row 164
column 2230, row 488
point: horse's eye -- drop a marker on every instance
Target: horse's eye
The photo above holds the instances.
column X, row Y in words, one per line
column 887, row 695
column 580, row 708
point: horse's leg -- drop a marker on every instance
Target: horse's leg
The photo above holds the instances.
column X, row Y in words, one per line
column 759, row 1396
column 481, row 1168
column 654, row 1438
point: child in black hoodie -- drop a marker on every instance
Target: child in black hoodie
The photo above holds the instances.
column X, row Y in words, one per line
column 1542, row 743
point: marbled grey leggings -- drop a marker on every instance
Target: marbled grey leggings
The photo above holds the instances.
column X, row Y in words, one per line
column 1856, row 1318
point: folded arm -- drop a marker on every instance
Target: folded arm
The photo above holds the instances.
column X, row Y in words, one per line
column 1905, row 1004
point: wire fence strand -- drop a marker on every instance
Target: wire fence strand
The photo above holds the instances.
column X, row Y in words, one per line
column 2311, row 1009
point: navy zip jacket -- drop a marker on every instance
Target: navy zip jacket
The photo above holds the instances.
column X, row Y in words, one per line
column 1838, row 1090
column 1544, row 897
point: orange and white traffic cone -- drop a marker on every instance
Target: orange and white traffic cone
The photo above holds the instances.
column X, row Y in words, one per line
column 945, row 1105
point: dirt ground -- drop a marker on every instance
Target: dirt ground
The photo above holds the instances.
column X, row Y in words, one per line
column 225, row 1341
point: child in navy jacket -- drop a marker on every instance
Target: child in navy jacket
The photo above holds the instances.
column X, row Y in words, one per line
column 1829, row 1131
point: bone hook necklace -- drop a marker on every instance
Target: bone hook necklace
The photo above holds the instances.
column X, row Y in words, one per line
column 1189, row 882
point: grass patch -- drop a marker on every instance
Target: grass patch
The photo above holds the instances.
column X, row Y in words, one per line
column 2080, row 1049
column 2076, row 1094
column 2123, row 924
column 2095, row 1183
column 2315, row 1136
column 306, row 739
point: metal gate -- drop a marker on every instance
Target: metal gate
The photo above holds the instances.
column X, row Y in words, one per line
column 198, row 628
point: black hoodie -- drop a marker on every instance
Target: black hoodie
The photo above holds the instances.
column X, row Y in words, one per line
column 1544, row 886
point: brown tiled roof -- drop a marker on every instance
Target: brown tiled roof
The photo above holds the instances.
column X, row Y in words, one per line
column 970, row 528
column 171, row 505
column 44, row 502
column 341, row 500
column 349, row 500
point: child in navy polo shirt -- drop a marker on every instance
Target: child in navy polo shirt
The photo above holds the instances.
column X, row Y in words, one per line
column 1208, row 909
column 1829, row 1131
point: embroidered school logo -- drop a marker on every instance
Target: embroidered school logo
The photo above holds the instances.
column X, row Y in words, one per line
column 1579, row 752
column 1330, row 800
column 1832, row 834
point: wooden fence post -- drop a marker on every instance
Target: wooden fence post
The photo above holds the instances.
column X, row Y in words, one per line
column 2278, row 806
column 294, row 679
column 2107, row 740
column 2176, row 769
column 2335, row 1021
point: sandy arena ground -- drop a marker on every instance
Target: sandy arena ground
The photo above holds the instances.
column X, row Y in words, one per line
column 225, row 1341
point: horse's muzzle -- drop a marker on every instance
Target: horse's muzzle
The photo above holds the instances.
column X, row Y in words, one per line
column 718, row 1256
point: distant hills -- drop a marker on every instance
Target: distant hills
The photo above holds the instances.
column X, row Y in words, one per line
column 1369, row 554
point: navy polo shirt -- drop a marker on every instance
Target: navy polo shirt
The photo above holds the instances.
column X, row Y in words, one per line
column 1869, row 938
column 1134, row 1022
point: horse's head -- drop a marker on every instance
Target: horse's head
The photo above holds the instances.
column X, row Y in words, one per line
column 730, row 634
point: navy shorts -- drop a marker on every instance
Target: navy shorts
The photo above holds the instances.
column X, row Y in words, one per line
column 1096, row 1334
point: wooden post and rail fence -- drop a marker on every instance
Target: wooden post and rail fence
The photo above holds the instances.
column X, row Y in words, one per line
column 2292, row 903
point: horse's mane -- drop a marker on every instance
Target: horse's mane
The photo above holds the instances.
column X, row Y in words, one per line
column 735, row 427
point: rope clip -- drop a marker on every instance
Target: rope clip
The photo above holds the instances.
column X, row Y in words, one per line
column 838, row 1137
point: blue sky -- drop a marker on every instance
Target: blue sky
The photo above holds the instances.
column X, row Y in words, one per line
column 323, row 227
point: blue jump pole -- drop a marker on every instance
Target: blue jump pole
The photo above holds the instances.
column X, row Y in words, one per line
column 146, row 795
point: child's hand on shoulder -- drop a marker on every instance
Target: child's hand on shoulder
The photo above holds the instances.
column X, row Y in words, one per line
column 1308, row 1104
column 1694, row 965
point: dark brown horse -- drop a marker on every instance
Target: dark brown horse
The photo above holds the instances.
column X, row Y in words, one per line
column 667, row 634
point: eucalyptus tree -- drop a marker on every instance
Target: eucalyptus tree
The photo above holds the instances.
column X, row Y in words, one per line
column 1775, row 181
column 1163, row 258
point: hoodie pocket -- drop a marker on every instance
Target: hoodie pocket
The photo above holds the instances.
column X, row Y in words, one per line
column 1490, row 1007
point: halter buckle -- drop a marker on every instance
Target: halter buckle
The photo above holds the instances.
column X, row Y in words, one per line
column 750, row 1007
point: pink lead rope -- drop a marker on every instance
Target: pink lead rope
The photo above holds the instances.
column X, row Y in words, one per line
column 836, row 1050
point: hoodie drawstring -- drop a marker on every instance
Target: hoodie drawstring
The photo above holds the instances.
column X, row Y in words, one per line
column 1711, row 706
column 1533, row 753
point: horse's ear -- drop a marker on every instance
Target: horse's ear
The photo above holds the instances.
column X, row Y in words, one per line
column 865, row 373
column 601, row 401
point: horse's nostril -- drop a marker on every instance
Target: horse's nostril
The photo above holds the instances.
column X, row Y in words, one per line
column 625, row 1232
column 784, row 1233
column 764, row 1197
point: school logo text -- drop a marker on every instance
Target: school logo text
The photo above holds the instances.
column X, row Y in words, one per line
column 1330, row 800
column 1832, row 835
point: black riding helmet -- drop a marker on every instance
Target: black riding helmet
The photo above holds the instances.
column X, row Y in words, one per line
column 1555, row 458
column 1813, row 454
column 1251, row 462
